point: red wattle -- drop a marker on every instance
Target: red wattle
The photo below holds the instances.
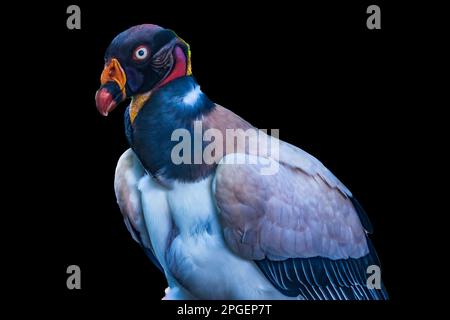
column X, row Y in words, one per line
column 180, row 67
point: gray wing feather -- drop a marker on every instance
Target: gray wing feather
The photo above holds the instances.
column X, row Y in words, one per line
column 290, row 214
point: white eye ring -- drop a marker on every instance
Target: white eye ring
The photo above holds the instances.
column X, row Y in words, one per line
column 140, row 53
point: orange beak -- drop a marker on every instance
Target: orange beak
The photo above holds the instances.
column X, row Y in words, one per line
column 112, row 90
column 113, row 72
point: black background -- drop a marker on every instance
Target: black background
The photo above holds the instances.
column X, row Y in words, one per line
column 313, row 70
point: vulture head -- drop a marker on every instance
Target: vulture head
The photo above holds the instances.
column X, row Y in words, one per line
column 138, row 60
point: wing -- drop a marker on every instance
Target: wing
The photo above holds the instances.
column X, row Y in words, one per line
column 300, row 225
column 128, row 173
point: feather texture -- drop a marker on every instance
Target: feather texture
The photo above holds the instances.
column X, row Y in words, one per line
column 128, row 173
column 320, row 278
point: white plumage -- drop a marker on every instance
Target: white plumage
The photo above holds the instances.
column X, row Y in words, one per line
column 187, row 240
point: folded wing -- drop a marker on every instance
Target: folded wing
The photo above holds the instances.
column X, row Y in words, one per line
column 300, row 225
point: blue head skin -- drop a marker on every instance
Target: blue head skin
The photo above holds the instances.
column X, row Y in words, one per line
column 139, row 60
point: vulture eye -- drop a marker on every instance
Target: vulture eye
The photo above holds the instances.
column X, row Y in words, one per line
column 140, row 53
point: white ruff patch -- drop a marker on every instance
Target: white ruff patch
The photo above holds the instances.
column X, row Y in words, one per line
column 192, row 96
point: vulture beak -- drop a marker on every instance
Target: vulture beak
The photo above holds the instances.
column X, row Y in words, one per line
column 112, row 89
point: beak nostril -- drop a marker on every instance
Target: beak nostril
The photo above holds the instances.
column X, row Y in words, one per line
column 114, row 72
column 111, row 70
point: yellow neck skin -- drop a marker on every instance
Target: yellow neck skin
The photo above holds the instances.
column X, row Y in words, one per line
column 137, row 102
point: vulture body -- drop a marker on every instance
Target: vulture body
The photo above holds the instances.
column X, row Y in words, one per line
column 221, row 229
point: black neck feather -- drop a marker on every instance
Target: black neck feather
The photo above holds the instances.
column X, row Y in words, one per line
column 176, row 105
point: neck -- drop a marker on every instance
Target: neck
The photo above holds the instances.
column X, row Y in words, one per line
column 174, row 106
column 183, row 94
column 183, row 97
column 182, row 68
column 137, row 102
